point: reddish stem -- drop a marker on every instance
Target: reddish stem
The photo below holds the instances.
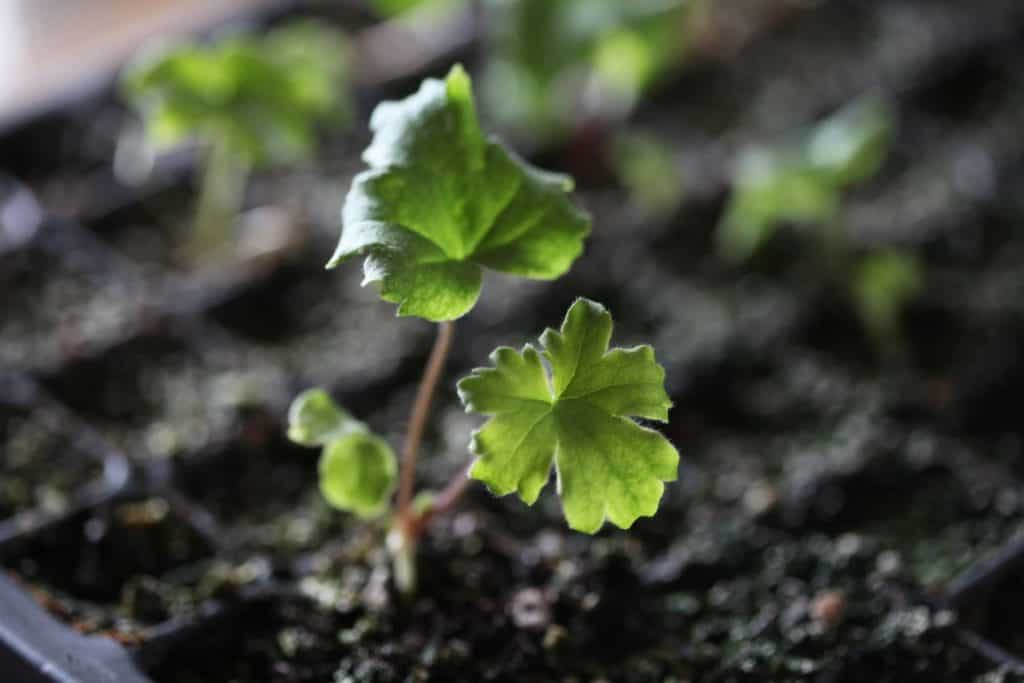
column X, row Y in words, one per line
column 444, row 502
column 418, row 420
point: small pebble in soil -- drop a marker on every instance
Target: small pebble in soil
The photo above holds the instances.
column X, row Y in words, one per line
column 554, row 636
column 149, row 512
column 828, row 607
column 529, row 609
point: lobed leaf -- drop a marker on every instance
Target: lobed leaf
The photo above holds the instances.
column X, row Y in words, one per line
column 882, row 285
column 575, row 419
column 441, row 201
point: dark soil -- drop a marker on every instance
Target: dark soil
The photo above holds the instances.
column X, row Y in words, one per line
column 835, row 497
column 43, row 469
column 63, row 295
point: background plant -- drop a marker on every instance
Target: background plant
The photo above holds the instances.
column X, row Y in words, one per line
column 801, row 185
column 250, row 101
column 551, row 57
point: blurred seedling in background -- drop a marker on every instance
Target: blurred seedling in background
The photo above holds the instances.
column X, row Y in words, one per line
column 561, row 72
column 801, row 186
column 249, row 102
column 648, row 170
column 440, row 203
column 556, row 64
column 403, row 8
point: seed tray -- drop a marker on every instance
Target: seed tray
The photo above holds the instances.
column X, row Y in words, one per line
column 199, row 549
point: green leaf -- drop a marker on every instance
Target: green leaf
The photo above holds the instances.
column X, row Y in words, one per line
column 852, row 143
column 357, row 469
column 882, row 285
column 772, row 187
column 441, row 202
column 802, row 182
column 576, row 419
column 357, row 474
column 314, row 419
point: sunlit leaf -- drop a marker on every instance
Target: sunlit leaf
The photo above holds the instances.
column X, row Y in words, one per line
column 575, row 419
column 802, row 183
column 441, row 202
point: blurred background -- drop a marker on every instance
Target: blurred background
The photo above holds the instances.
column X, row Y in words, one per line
column 810, row 208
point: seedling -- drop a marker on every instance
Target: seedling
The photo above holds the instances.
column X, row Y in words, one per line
column 439, row 203
column 553, row 57
column 802, row 185
column 250, row 101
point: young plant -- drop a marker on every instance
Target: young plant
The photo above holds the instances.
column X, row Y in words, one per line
column 440, row 203
column 802, row 185
column 552, row 56
column 250, row 101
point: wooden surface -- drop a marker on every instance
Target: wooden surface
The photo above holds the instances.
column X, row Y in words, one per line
column 52, row 47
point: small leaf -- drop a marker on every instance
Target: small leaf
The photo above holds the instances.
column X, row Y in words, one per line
column 772, row 187
column 314, row 419
column 357, row 474
column 852, row 143
column 357, row 468
column 802, row 183
column 547, row 57
column 575, row 419
column 441, row 202
column 882, row 285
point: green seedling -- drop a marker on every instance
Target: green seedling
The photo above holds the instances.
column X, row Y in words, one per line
column 552, row 56
column 802, row 185
column 882, row 284
column 250, row 101
column 440, row 203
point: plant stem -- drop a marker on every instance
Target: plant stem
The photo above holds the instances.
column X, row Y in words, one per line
column 444, row 502
column 418, row 419
column 221, row 194
column 402, row 548
column 404, row 534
